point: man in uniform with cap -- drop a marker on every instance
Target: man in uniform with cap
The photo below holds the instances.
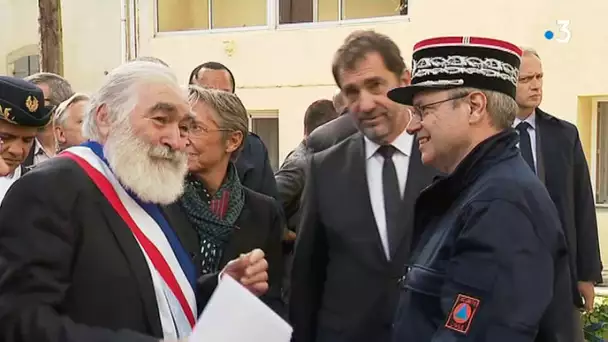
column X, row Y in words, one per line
column 22, row 114
column 491, row 260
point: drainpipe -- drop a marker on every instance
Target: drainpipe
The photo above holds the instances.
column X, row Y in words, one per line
column 133, row 29
column 124, row 51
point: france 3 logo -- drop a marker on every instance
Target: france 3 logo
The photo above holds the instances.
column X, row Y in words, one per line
column 563, row 32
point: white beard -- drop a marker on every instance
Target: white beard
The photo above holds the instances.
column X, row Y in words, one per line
column 154, row 173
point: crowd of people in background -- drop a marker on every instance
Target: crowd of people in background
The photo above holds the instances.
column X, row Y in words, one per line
column 433, row 203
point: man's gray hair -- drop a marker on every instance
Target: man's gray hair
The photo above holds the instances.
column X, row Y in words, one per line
column 60, row 88
column 119, row 93
column 502, row 107
column 61, row 113
column 150, row 59
column 527, row 51
column 230, row 112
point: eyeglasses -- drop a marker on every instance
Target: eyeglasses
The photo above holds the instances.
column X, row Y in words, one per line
column 418, row 112
column 196, row 129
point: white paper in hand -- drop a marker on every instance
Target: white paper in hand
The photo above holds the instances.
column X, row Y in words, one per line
column 233, row 314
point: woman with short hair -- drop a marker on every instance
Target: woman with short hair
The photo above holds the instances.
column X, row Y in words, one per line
column 230, row 219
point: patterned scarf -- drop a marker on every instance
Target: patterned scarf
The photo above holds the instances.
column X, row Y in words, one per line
column 213, row 216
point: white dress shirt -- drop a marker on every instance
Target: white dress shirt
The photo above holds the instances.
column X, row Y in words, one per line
column 7, row 181
column 40, row 154
column 532, row 132
column 373, row 168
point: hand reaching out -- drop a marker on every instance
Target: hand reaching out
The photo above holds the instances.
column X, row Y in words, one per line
column 251, row 270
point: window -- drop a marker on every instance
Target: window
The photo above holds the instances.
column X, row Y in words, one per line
column 601, row 150
column 184, row 15
column 307, row 11
column 266, row 126
column 26, row 66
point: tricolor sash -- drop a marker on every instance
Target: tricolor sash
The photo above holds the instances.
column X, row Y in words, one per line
column 174, row 294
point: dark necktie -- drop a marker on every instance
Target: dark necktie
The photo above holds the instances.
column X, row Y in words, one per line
column 392, row 196
column 525, row 146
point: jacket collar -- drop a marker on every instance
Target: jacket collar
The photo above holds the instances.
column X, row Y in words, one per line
column 488, row 153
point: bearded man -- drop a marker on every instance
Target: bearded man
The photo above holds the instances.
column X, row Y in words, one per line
column 92, row 247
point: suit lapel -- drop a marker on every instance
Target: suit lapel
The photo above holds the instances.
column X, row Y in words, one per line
column 360, row 184
column 29, row 160
column 137, row 262
column 540, row 160
column 243, row 232
column 418, row 176
column 552, row 157
column 185, row 232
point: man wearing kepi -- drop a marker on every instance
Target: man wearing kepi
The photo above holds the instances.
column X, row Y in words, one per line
column 22, row 115
column 92, row 247
column 491, row 261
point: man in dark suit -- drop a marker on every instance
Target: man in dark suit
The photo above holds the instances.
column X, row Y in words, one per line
column 331, row 133
column 92, row 247
column 553, row 150
column 253, row 164
column 355, row 231
column 291, row 176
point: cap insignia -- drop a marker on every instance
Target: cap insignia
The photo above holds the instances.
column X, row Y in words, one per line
column 31, row 103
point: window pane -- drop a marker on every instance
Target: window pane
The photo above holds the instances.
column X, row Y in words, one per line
column 238, row 13
column 328, row 10
column 295, row 11
column 268, row 130
column 34, row 64
column 358, row 9
column 182, row 15
column 21, row 67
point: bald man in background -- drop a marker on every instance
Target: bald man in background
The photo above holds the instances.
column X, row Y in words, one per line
column 253, row 165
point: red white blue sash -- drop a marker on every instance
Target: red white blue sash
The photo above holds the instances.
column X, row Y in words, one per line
column 175, row 296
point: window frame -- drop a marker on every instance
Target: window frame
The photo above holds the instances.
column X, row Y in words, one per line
column 595, row 158
column 335, row 23
column 15, row 55
column 272, row 21
column 270, row 15
column 267, row 114
column 30, row 70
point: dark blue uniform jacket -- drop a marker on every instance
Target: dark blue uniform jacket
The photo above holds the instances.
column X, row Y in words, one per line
column 491, row 263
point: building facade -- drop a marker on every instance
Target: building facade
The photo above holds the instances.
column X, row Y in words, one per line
column 280, row 51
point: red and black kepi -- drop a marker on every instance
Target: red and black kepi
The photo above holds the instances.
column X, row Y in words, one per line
column 451, row 62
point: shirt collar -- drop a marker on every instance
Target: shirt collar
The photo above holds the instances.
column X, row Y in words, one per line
column 530, row 119
column 403, row 143
column 39, row 149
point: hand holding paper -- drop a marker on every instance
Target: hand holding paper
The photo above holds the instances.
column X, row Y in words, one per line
column 234, row 314
column 251, row 270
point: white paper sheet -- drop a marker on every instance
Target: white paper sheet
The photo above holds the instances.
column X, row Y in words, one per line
column 233, row 314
